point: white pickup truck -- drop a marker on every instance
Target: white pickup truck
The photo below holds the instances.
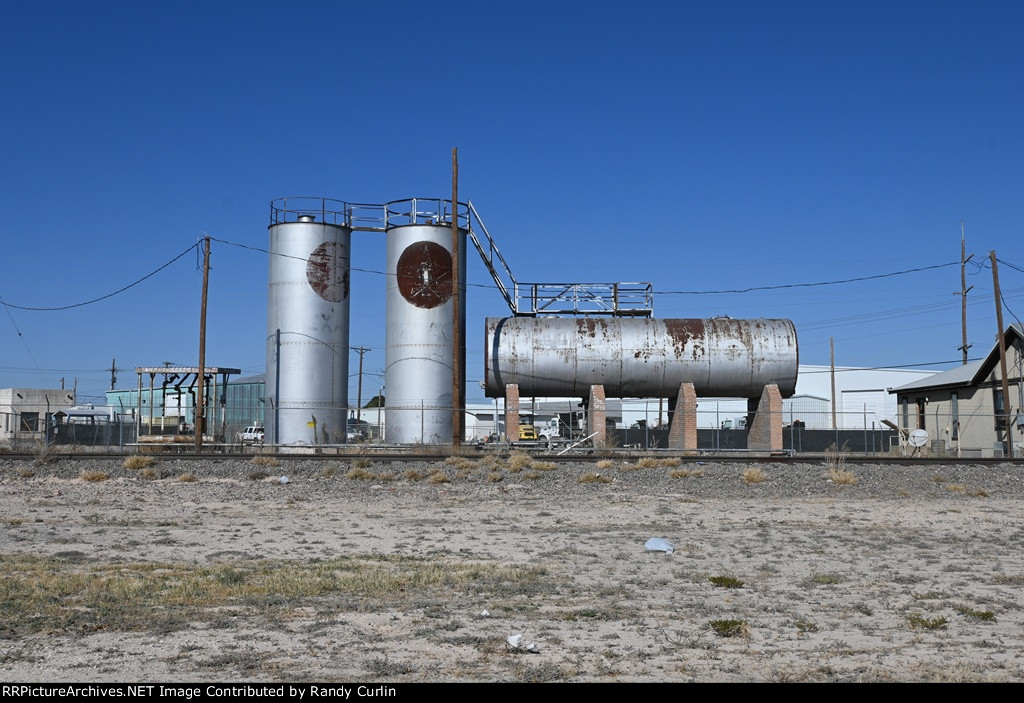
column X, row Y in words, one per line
column 251, row 435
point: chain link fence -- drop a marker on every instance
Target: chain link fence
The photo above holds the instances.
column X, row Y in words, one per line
column 642, row 425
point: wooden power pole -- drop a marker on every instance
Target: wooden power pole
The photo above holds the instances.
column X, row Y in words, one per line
column 201, row 377
column 456, row 310
column 1007, row 433
column 964, row 290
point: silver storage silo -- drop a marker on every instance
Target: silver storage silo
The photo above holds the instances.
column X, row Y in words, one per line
column 308, row 322
column 639, row 358
column 419, row 348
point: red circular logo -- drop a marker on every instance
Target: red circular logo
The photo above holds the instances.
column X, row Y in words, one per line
column 327, row 272
column 425, row 274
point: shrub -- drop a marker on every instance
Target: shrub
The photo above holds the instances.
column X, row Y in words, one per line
column 138, row 461
column 94, row 476
column 842, row 477
column 918, row 622
column 726, row 582
column 754, row 475
column 187, row 478
column 358, row 473
column 730, row 628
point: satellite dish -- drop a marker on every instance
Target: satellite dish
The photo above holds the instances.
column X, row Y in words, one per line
column 918, row 438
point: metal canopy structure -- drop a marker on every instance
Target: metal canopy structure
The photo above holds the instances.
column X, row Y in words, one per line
column 523, row 299
column 183, row 379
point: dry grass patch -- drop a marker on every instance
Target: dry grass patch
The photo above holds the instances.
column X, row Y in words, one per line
column 47, row 594
column 685, row 473
column 956, row 488
column 187, row 478
column 726, row 582
column 138, row 461
column 919, row 622
column 150, row 474
column 358, row 473
column 265, row 461
column 754, row 475
column 438, row 476
column 594, row 477
column 413, row 474
column 461, row 462
column 842, row 477
column 730, row 628
column 25, row 473
column 605, row 464
column 543, row 465
column 93, row 476
column 517, row 462
column 495, row 477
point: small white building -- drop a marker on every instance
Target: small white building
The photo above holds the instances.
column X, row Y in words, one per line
column 27, row 412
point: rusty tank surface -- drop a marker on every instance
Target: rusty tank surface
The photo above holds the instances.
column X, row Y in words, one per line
column 639, row 358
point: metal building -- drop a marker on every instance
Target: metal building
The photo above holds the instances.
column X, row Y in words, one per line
column 420, row 325
column 308, row 321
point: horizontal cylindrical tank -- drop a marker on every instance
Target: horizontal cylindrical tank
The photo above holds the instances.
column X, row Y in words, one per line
column 420, row 325
column 307, row 329
column 639, row 357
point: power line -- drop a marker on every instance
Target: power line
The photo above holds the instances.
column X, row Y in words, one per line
column 808, row 285
column 102, row 297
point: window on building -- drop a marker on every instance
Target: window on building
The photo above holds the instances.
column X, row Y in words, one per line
column 29, row 422
column 920, row 413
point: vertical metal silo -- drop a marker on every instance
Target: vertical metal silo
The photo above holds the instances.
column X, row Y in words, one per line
column 419, row 352
column 308, row 321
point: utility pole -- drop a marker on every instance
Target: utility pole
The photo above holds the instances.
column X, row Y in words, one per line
column 201, row 378
column 359, row 395
column 964, row 290
column 832, row 366
column 1007, row 434
column 456, row 310
column 113, row 373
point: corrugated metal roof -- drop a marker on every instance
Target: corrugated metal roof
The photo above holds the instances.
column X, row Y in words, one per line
column 960, row 376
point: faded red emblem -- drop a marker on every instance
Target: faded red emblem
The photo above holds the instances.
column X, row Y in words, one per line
column 425, row 274
column 327, row 272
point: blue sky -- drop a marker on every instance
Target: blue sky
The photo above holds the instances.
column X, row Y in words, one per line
column 696, row 145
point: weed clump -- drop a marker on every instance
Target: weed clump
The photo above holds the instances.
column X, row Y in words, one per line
column 138, row 461
column 726, row 582
column 984, row 615
column 187, row 478
column 358, row 473
column 754, row 475
column 919, row 622
column 265, row 461
column 730, row 628
column 594, row 477
column 93, row 476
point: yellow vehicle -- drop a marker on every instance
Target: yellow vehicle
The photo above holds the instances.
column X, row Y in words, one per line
column 527, row 433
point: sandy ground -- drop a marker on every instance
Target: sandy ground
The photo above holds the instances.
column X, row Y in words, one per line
column 911, row 574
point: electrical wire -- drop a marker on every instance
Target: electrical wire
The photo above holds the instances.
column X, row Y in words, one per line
column 102, row 297
column 808, row 285
column 24, row 341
